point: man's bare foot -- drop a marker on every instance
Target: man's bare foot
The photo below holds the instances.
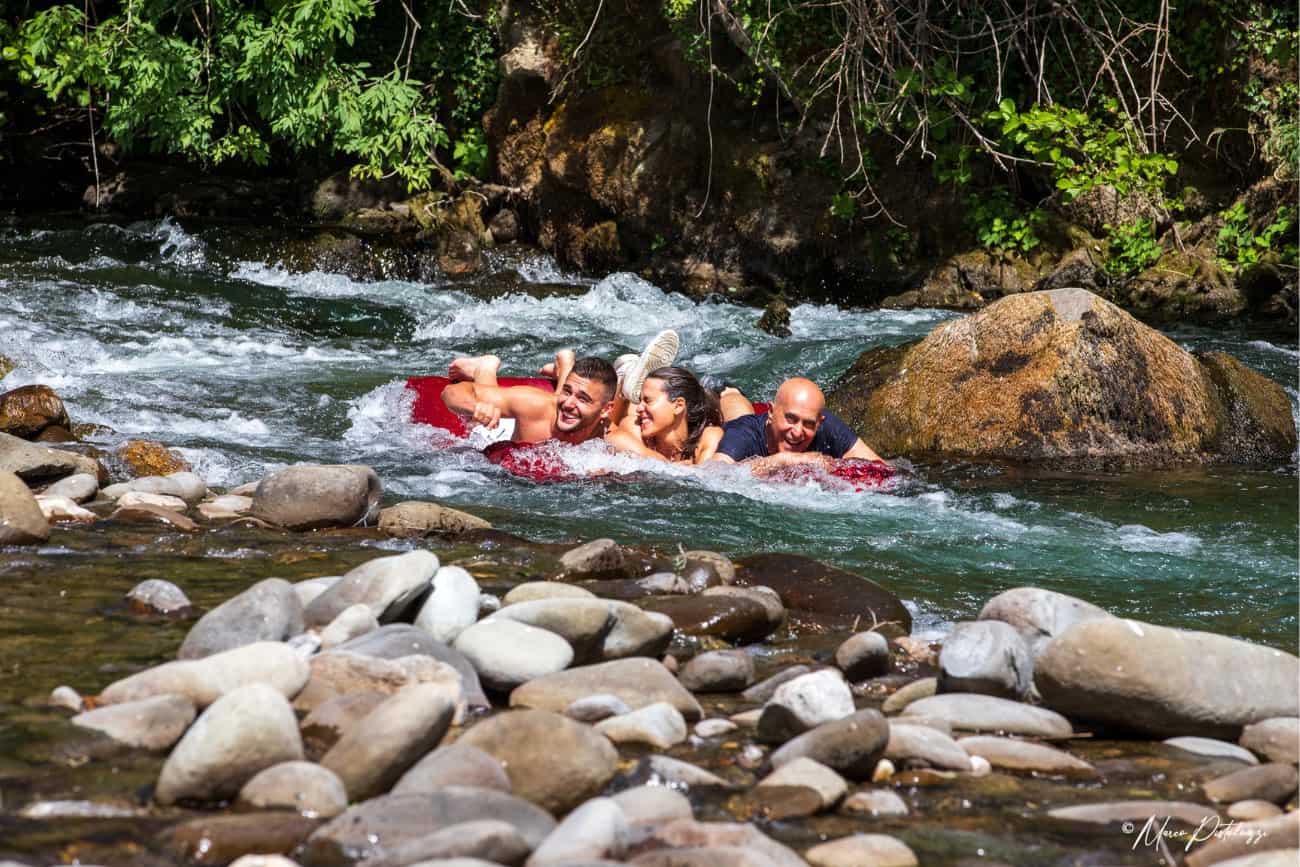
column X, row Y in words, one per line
column 562, row 364
column 469, row 369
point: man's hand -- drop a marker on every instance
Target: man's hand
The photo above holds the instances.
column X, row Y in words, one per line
column 486, row 414
column 761, row 467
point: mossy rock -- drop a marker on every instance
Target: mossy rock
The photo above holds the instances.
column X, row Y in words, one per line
column 1183, row 286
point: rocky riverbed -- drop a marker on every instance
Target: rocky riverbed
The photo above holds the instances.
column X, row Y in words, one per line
column 425, row 688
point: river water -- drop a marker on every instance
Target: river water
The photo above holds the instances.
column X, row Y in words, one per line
column 198, row 338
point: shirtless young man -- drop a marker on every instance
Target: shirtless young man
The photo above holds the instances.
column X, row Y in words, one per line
column 797, row 429
column 577, row 411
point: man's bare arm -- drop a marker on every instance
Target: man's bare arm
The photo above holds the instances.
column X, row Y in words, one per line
column 862, row 451
column 469, row 399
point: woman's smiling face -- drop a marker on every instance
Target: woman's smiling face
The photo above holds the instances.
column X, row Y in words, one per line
column 656, row 414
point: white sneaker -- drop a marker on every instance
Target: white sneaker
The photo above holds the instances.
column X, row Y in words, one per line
column 659, row 352
column 624, row 363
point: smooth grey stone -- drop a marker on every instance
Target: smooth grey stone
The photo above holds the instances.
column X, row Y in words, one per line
column 1014, row 755
column 402, row 639
column 185, row 485
column 268, row 611
column 310, row 497
column 245, row 731
column 691, row 834
column 1136, row 811
column 506, row 653
column 863, row 655
column 804, row 703
column 806, row 773
column 339, row 672
column 594, row 708
column 352, row 622
column 718, row 671
column 492, row 840
column 148, row 724
column 310, row 588
column 78, row 487
column 1163, row 681
column 862, row 850
column 1213, row 747
column 582, row 623
column 596, row 829
column 387, row 822
column 35, row 463
column 373, row 754
column 850, row 746
column 987, row 657
column 1039, row 615
column 875, row 803
column 157, row 595
column 763, row 691
column 636, row 632
column 1276, row 739
column 551, row 760
column 637, row 681
column 677, row 773
column 205, row 680
column 986, row 713
column 531, row 590
column 653, row 805
column 453, row 765
column 303, row 786
column 387, row 584
column 660, row 726
column 1274, row 782
column 599, row 558
column 712, row 728
column 899, row 701
column 911, row 743
column 67, row 698
column 21, row 520
column 453, row 605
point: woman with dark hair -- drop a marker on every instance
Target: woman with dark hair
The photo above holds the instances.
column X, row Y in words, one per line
column 676, row 419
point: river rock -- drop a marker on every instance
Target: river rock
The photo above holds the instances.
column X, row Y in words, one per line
column 67, row 698
column 225, row 507
column 183, row 485
column 1250, row 838
column 689, row 834
column 382, row 824
column 155, row 596
column 453, row 765
column 597, row 829
column 145, row 458
column 64, row 509
column 986, row 713
column 353, row 621
column 806, row 773
column 148, row 724
column 720, row 565
column 582, row 623
column 1213, row 747
column 863, row 655
column 144, row 514
column 638, row 682
column 205, row 680
column 1057, row 376
column 728, row 618
column 1109, row 812
column 303, row 786
column 1274, row 858
column 506, row 653
column 713, row 728
column 244, row 731
column 696, row 856
column 825, row 594
column 387, row 584
column 636, row 632
column 1274, row 782
column 452, row 607
column 1276, row 739
column 594, row 708
column 1014, row 755
column 988, row 657
column 309, row 497
column 484, row 841
column 371, row 755
column 762, row 692
column 552, row 761
column 309, row 588
column 658, row 725
column 414, row 519
column 27, row 410
column 37, row 464
column 805, row 703
column 533, row 590
column 851, row 746
column 767, row 598
column 143, row 498
column 912, row 743
column 21, row 520
column 652, row 805
column 875, row 803
column 267, row 611
column 917, row 689
column 1253, row 811
column 1039, row 615
column 667, row 771
column 602, row 558
column 80, row 487
column 222, row 839
column 1164, row 681
column 396, row 640
column 340, row 672
column 862, row 850
column 326, row 723
column 718, row 671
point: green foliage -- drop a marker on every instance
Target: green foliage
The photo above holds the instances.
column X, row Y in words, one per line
column 246, row 80
column 1000, row 225
column 1133, row 248
column 471, row 154
column 1239, row 246
column 844, row 206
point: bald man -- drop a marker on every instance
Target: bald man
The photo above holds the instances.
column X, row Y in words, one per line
column 796, row 429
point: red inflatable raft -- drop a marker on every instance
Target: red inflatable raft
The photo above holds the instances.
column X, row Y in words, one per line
column 543, row 463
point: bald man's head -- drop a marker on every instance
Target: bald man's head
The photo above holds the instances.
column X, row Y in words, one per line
column 795, row 416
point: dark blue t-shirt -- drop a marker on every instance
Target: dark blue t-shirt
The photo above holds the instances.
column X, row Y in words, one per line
column 746, row 437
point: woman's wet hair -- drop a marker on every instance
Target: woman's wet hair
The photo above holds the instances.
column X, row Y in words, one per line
column 702, row 407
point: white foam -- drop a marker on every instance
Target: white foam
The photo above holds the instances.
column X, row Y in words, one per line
column 1139, row 539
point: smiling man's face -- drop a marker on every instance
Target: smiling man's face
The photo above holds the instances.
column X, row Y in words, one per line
column 796, row 414
column 581, row 405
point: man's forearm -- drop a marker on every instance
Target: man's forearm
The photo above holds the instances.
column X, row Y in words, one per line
column 460, row 398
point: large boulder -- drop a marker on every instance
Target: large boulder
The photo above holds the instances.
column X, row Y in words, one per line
column 387, row 585
column 1164, row 681
column 267, row 611
column 986, row 656
column 309, row 497
column 1058, row 376
column 21, row 520
column 30, row 409
column 35, row 464
column 828, row 596
column 1038, row 615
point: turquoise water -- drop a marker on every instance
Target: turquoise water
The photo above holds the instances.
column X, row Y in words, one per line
column 197, row 338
